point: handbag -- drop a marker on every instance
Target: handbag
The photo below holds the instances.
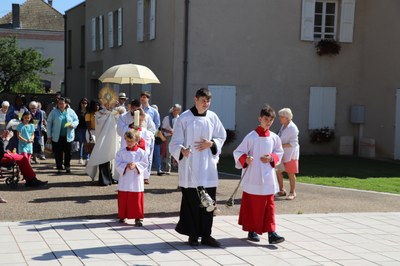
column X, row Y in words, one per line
column 75, row 146
column 161, row 136
column 48, row 148
column 88, row 147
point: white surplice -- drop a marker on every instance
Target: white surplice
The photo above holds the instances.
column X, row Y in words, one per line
column 259, row 178
column 131, row 180
column 126, row 119
column 200, row 168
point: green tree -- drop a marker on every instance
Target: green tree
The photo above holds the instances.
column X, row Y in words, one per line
column 20, row 68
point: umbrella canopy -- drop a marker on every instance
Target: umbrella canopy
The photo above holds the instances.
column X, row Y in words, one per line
column 129, row 74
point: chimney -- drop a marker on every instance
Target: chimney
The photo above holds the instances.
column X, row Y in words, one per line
column 50, row 2
column 15, row 16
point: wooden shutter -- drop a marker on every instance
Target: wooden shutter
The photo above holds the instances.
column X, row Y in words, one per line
column 223, row 103
column 322, row 109
column 307, row 20
column 347, row 20
column 152, row 19
column 119, row 26
column 110, row 29
column 101, row 33
column 140, row 21
column 93, row 34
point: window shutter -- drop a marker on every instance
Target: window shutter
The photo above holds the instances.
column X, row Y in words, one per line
column 93, row 34
column 322, row 110
column 101, row 31
column 152, row 19
column 110, row 29
column 119, row 26
column 140, row 21
column 347, row 20
column 307, row 20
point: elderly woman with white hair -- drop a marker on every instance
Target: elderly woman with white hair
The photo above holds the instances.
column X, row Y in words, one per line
column 3, row 114
column 289, row 135
column 37, row 123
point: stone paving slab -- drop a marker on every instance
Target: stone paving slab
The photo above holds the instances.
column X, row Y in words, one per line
column 311, row 239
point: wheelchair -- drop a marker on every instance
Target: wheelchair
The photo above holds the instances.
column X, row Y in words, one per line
column 10, row 172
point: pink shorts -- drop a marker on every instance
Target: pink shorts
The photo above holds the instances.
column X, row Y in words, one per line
column 291, row 167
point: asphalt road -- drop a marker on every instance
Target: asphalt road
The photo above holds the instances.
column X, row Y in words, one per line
column 76, row 196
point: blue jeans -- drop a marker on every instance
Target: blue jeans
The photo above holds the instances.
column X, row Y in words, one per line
column 81, row 137
column 157, row 157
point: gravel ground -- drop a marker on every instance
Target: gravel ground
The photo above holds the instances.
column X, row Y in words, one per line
column 76, row 196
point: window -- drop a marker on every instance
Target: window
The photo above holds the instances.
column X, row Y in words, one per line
column 322, row 109
column 115, row 27
column 119, row 26
column 69, row 49
column 93, row 34
column 101, row 33
column 146, row 20
column 325, row 20
column 82, row 46
column 320, row 20
column 110, row 29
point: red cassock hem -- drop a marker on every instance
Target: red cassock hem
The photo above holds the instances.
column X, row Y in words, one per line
column 130, row 205
column 257, row 213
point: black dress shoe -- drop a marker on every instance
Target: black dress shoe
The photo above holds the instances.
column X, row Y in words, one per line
column 193, row 240
column 210, row 241
column 138, row 222
column 274, row 238
column 252, row 236
column 35, row 183
column 160, row 173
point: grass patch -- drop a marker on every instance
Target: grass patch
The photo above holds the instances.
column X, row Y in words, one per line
column 340, row 171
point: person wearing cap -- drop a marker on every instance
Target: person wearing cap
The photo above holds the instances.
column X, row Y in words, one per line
column 122, row 99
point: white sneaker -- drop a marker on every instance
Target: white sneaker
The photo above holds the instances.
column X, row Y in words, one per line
column 81, row 161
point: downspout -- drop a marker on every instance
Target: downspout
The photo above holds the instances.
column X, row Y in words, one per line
column 185, row 54
column 65, row 55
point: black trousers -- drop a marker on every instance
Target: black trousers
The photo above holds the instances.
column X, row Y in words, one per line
column 195, row 220
column 105, row 176
column 62, row 150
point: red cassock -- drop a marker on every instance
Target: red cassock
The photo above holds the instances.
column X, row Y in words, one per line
column 257, row 209
column 131, row 182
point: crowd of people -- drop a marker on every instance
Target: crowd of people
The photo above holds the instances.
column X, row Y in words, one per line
column 137, row 136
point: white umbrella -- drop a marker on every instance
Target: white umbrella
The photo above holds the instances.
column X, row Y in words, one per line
column 129, row 74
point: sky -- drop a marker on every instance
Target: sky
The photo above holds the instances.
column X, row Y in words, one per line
column 60, row 5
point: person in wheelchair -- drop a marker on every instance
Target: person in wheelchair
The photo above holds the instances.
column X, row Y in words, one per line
column 23, row 163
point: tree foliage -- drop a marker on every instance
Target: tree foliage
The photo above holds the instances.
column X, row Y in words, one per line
column 20, row 68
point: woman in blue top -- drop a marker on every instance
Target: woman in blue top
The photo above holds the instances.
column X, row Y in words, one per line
column 61, row 125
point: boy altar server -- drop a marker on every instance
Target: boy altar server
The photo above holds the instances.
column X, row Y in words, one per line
column 196, row 144
column 258, row 154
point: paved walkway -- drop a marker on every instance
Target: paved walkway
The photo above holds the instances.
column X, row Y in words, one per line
column 311, row 239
